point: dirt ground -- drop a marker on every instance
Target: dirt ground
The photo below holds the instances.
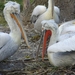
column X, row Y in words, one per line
column 24, row 62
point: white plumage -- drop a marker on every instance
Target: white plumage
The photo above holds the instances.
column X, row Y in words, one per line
column 61, row 49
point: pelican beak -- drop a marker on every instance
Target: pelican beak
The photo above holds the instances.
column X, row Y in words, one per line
column 46, row 36
column 33, row 18
column 16, row 17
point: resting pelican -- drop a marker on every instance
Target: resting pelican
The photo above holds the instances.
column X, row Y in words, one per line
column 9, row 43
column 41, row 13
column 61, row 49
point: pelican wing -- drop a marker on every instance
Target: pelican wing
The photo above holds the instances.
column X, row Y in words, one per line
column 9, row 47
column 4, row 37
column 63, row 46
column 65, row 25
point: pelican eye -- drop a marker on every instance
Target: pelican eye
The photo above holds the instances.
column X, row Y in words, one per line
column 13, row 13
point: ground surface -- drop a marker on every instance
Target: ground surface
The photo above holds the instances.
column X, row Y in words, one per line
column 23, row 62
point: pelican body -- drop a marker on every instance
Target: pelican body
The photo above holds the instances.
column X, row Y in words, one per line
column 41, row 13
column 9, row 43
column 61, row 49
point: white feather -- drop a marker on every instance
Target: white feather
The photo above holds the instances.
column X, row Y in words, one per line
column 67, row 45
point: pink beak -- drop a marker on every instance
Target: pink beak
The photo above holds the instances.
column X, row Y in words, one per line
column 46, row 35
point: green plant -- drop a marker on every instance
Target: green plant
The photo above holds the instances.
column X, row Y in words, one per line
column 1, row 6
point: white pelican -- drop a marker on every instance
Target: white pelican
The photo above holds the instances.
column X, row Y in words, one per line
column 61, row 49
column 41, row 13
column 9, row 43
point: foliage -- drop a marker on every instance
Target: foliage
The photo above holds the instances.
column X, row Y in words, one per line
column 1, row 6
column 2, row 20
column 31, row 1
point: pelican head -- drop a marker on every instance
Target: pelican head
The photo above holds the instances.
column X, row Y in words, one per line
column 12, row 7
column 50, row 27
column 37, row 11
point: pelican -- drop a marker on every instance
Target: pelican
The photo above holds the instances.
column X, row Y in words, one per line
column 41, row 13
column 9, row 43
column 61, row 48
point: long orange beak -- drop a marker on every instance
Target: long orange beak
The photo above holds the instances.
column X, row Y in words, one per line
column 21, row 29
column 46, row 35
